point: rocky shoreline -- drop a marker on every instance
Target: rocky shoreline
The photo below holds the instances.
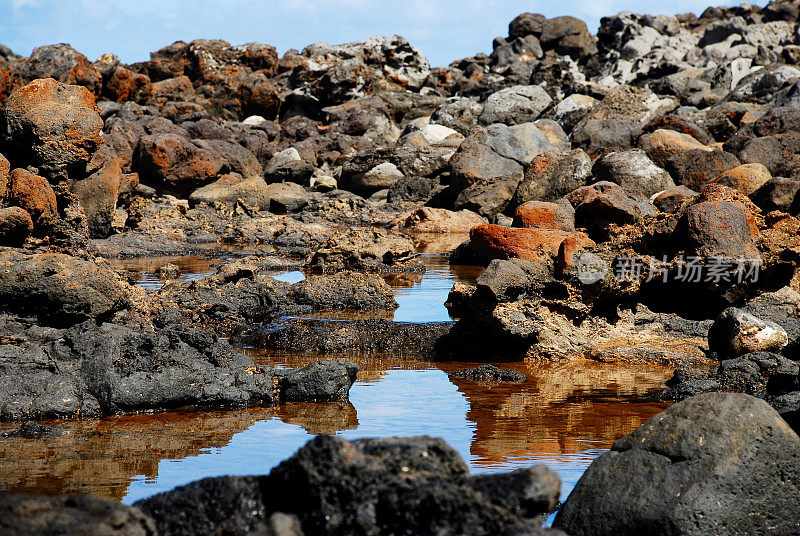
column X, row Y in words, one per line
column 632, row 196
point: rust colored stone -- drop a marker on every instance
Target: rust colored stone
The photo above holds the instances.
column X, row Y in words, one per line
column 35, row 195
column 498, row 242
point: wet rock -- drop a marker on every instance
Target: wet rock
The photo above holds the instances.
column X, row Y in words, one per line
column 498, row 242
column 70, row 514
column 437, row 220
column 488, row 373
column 57, row 288
column 552, row 175
column 320, row 381
column 63, row 63
column 663, row 144
column 645, row 473
column 361, row 486
column 168, row 272
column 721, row 228
column 634, row 171
column 367, row 336
column 736, row 332
column 15, row 226
column 760, row 374
column 545, row 215
column 515, row 105
column 601, row 204
column 92, row 370
column 174, row 164
column 34, row 430
column 697, row 167
column 55, row 126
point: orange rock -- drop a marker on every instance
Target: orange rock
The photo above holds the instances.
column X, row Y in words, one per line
column 15, row 226
column 746, row 178
column 56, row 125
column 35, row 195
column 544, row 215
column 125, row 85
column 498, row 242
column 5, row 168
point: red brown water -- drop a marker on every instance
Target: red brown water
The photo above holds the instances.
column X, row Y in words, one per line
column 564, row 415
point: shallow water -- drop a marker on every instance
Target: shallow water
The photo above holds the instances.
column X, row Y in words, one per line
column 565, row 415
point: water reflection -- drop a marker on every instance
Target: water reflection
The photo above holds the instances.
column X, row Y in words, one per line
column 563, row 416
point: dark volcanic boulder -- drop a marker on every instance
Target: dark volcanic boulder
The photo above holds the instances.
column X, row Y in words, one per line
column 488, row 373
column 53, row 126
column 697, row 167
column 63, row 63
column 413, row 485
column 59, row 289
column 692, row 470
column 70, row 515
column 321, row 381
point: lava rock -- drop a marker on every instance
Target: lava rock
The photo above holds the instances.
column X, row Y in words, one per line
column 634, row 171
column 55, row 126
column 552, row 175
column 320, row 381
column 21, row 515
column 488, row 373
column 697, row 167
column 715, row 441
column 515, row 105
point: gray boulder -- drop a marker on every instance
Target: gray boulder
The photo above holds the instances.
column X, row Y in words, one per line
column 714, row 464
column 515, row 105
column 633, row 171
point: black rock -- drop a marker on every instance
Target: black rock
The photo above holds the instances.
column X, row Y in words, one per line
column 489, row 373
column 698, row 457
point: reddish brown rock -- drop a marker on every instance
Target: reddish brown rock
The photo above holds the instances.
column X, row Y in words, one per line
column 5, row 169
column 604, row 203
column 126, row 85
column 721, row 228
column 35, row 195
column 698, row 167
column 54, row 126
column 498, row 242
column 9, row 79
column 15, row 226
column 672, row 200
column 544, row 215
column 175, row 163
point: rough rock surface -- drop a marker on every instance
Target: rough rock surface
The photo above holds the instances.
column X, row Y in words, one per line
column 697, row 456
column 335, row 486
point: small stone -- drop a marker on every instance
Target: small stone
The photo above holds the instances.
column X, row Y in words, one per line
column 736, row 332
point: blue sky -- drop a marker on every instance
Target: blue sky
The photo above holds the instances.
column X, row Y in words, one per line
column 444, row 30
